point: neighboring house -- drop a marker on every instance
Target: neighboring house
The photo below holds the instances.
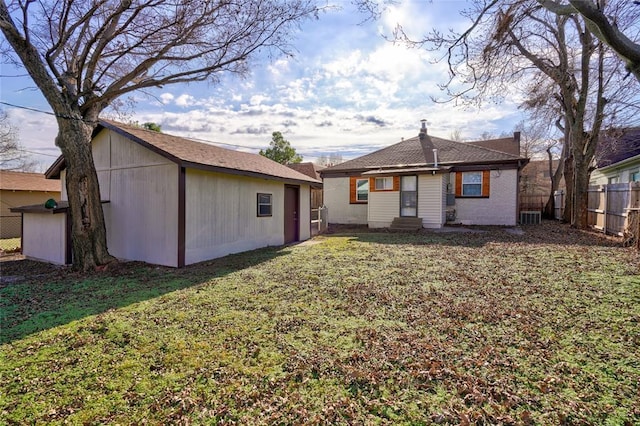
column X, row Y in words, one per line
column 172, row 201
column 312, row 170
column 617, row 158
column 535, row 184
column 433, row 180
column 18, row 189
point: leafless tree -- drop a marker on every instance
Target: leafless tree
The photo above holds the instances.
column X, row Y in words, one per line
column 562, row 68
column 12, row 154
column 85, row 55
column 604, row 27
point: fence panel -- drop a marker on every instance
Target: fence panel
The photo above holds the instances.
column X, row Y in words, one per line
column 319, row 220
column 558, row 204
column 609, row 206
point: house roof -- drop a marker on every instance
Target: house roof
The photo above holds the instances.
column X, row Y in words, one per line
column 510, row 145
column 22, row 181
column 189, row 153
column 308, row 168
column 418, row 151
column 617, row 146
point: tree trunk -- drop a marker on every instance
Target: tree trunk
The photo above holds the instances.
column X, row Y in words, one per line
column 550, row 208
column 567, row 214
column 88, row 232
column 581, row 193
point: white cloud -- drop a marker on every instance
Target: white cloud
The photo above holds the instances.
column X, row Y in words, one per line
column 185, row 100
column 166, row 98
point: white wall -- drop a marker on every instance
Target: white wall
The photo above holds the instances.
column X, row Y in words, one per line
column 383, row 208
column 499, row 209
column 221, row 215
column 304, row 214
column 336, row 198
column 142, row 188
column 44, row 237
column 622, row 173
column 431, row 200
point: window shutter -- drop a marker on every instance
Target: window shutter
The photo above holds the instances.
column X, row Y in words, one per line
column 486, row 184
column 352, row 189
column 458, row 184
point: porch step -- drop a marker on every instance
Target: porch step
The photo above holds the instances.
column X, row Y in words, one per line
column 406, row 224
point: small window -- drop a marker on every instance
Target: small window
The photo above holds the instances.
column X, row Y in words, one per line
column 472, row 184
column 384, row 183
column 264, row 205
column 362, row 189
column 612, row 180
column 634, row 176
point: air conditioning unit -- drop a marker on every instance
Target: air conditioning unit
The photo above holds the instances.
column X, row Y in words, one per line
column 530, row 218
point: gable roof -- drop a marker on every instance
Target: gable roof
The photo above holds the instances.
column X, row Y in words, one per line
column 418, row 151
column 191, row 154
column 22, row 181
column 308, row 168
column 617, row 146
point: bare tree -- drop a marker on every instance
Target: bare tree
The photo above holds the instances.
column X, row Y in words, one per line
column 603, row 27
column 563, row 69
column 85, row 55
column 12, row 154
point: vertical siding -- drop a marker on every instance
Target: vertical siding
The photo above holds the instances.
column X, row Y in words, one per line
column 383, row 208
column 499, row 209
column 431, row 200
column 44, row 237
column 142, row 188
column 63, row 186
column 221, row 215
column 304, row 214
column 336, row 198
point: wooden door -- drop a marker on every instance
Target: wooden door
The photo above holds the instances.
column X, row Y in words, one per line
column 291, row 209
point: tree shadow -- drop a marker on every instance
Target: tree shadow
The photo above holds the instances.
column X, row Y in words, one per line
column 36, row 296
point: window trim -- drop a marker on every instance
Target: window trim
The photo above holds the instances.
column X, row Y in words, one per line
column 485, row 185
column 261, row 204
column 353, row 189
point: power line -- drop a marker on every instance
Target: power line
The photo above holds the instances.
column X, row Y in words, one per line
column 27, row 108
column 188, row 137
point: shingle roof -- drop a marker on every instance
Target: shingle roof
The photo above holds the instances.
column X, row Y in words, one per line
column 191, row 154
column 617, row 146
column 414, row 151
column 21, row 181
column 508, row 145
column 309, row 169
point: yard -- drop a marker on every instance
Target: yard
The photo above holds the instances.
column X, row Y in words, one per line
column 352, row 328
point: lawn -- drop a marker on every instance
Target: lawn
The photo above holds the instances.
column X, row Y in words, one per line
column 356, row 328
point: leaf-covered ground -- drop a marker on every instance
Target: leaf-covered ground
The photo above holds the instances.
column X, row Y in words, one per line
column 357, row 328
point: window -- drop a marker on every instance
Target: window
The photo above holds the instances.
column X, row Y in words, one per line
column 362, row 189
column 264, row 205
column 358, row 190
column 384, row 183
column 612, row 180
column 634, row 176
column 472, row 184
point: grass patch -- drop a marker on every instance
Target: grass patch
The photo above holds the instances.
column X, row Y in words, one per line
column 362, row 328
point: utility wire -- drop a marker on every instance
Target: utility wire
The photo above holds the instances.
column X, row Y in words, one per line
column 188, row 137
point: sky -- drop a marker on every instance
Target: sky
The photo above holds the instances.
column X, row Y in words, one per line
column 347, row 90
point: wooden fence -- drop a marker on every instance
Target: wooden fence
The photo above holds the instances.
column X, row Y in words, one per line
column 558, row 204
column 612, row 206
column 319, row 220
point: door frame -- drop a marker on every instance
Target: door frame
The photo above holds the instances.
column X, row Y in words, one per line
column 416, row 191
column 296, row 213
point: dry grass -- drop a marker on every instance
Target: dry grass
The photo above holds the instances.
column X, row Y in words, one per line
column 373, row 328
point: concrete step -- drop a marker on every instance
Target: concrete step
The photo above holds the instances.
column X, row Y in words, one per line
column 406, row 224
